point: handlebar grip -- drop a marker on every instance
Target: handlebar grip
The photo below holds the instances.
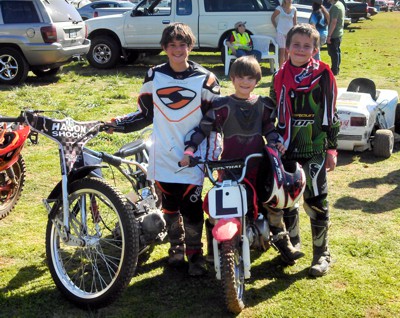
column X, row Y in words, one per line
column 19, row 119
column 106, row 127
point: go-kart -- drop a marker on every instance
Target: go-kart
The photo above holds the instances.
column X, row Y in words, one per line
column 369, row 118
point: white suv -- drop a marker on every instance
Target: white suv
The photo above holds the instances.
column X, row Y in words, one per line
column 38, row 35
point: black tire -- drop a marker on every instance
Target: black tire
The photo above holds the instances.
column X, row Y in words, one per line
column 95, row 274
column 11, row 192
column 104, row 52
column 383, row 143
column 13, row 66
column 397, row 119
column 48, row 72
column 232, row 275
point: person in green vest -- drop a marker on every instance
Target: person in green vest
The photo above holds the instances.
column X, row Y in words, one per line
column 239, row 42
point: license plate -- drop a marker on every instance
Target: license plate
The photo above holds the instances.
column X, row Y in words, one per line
column 73, row 34
column 227, row 202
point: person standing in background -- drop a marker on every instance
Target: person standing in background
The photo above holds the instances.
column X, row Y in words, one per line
column 320, row 19
column 335, row 34
column 283, row 19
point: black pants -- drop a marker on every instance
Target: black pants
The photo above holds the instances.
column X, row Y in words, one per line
column 335, row 54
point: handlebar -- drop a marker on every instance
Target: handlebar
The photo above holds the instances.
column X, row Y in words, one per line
column 212, row 165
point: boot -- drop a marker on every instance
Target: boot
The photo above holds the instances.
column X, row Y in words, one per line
column 194, row 251
column 291, row 219
column 282, row 243
column 176, row 235
column 321, row 256
column 210, row 247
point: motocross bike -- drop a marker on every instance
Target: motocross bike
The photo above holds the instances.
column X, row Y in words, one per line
column 12, row 164
column 236, row 230
column 92, row 236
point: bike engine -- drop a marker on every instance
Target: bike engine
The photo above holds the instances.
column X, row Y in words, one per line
column 152, row 227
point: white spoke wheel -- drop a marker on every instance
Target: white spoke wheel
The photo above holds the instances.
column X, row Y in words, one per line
column 95, row 274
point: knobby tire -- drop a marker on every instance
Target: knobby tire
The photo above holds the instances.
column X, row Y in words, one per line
column 95, row 274
column 9, row 198
column 232, row 275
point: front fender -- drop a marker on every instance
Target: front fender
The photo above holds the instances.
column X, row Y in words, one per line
column 74, row 175
column 226, row 229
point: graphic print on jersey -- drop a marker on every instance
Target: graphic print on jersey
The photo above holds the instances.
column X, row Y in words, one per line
column 176, row 97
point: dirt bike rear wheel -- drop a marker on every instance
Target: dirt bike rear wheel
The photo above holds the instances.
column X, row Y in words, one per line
column 232, row 275
column 95, row 274
column 10, row 193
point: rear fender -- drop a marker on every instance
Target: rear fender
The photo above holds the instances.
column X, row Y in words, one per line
column 226, row 229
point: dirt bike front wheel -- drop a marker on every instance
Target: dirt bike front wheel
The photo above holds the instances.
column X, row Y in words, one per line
column 94, row 273
column 232, row 274
column 11, row 189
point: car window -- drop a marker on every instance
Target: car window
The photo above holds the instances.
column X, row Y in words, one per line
column 240, row 5
column 19, row 12
column 61, row 11
column 184, row 7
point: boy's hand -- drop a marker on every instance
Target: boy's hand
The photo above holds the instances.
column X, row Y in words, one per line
column 185, row 161
column 281, row 148
column 331, row 160
column 111, row 124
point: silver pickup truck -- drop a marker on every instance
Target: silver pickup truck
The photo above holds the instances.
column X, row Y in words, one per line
column 139, row 31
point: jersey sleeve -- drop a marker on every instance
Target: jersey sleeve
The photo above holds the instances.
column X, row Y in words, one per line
column 144, row 116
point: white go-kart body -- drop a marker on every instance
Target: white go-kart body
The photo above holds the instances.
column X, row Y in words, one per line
column 368, row 118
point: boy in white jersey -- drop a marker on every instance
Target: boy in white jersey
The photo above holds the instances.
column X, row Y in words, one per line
column 174, row 97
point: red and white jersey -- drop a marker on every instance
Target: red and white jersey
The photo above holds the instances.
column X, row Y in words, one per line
column 175, row 103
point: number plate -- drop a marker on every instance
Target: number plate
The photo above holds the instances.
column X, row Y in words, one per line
column 73, row 34
column 226, row 202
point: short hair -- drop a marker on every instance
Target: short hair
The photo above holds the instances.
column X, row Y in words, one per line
column 303, row 28
column 178, row 31
column 246, row 66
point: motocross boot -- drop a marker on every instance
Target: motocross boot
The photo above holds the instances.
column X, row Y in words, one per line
column 176, row 235
column 291, row 219
column 321, row 256
column 210, row 247
column 194, row 251
column 282, row 243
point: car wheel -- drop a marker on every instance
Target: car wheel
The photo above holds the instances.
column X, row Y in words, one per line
column 383, row 143
column 47, row 72
column 13, row 66
column 104, row 52
column 397, row 119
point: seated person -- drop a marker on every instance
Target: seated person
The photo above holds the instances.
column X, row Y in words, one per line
column 240, row 44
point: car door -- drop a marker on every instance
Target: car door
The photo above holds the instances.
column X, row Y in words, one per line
column 144, row 28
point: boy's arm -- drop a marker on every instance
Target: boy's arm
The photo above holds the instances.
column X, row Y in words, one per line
column 329, row 93
column 210, row 91
column 144, row 116
column 269, row 130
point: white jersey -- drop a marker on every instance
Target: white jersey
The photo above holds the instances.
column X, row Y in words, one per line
column 175, row 103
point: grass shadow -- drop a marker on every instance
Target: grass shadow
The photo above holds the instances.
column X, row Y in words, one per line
column 385, row 203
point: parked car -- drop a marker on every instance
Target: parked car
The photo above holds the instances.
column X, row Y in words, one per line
column 369, row 117
column 132, row 34
column 381, row 5
column 38, row 36
column 87, row 11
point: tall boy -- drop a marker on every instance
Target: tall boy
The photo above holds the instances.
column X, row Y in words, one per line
column 305, row 93
column 173, row 98
column 244, row 120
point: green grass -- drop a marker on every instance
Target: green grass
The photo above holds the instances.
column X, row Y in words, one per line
column 364, row 198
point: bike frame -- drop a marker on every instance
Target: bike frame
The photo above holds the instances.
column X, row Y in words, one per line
column 227, row 205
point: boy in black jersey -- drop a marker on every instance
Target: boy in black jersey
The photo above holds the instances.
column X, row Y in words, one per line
column 305, row 93
column 244, row 119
